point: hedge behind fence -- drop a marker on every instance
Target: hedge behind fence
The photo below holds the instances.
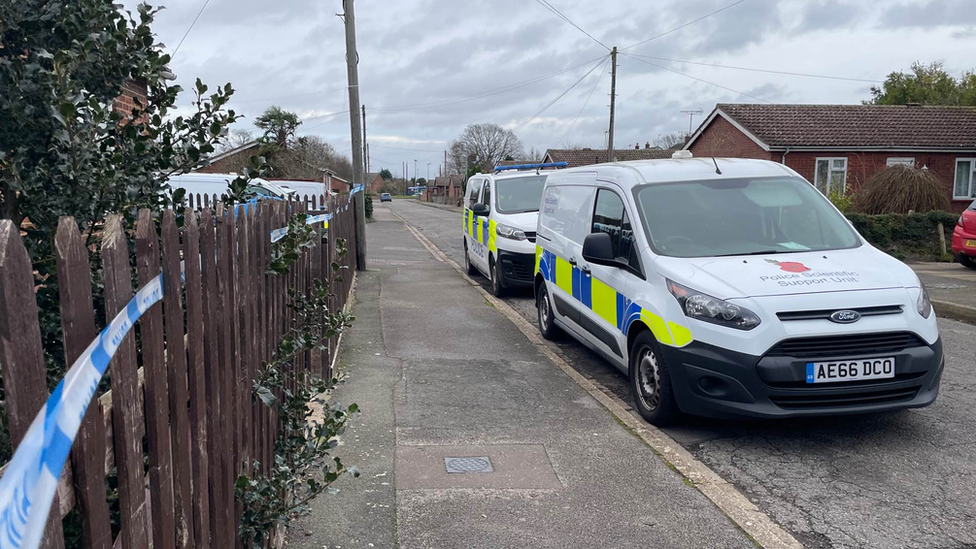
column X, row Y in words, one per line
column 913, row 237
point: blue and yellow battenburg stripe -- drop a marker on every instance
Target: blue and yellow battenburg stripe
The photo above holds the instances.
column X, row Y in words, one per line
column 481, row 229
column 610, row 305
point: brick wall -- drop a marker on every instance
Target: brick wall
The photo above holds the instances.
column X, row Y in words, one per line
column 125, row 102
column 862, row 165
column 721, row 138
column 234, row 163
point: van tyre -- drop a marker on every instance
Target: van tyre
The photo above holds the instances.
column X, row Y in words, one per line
column 650, row 382
column 497, row 289
column 547, row 325
column 468, row 266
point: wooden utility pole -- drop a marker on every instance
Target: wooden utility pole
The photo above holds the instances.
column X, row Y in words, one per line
column 613, row 100
column 358, row 176
column 365, row 146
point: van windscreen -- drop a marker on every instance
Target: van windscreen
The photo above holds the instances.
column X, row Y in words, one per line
column 519, row 195
column 728, row 217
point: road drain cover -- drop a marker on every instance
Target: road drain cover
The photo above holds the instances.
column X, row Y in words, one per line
column 480, row 464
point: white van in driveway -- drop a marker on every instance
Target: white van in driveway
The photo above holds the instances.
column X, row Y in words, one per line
column 500, row 215
column 218, row 184
column 731, row 288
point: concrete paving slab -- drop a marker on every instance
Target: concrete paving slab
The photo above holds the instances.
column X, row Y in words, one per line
column 513, row 467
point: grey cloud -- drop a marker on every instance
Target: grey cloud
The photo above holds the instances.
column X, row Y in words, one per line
column 930, row 14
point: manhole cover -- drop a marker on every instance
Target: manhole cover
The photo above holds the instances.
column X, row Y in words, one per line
column 479, row 464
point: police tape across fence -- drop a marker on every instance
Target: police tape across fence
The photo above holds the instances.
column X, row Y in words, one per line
column 31, row 478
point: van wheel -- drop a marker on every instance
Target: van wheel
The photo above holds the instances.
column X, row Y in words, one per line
column 468, row 266
column 967, row 261
column 650, row 382
column 497, row 289
column 547, row 326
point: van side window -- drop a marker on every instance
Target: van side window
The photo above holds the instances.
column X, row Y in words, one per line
column 486, row 194
column 609, row 216
column 473, row 192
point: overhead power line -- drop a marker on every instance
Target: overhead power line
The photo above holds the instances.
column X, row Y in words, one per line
column 402, row 148
column 787, row 73
column 487, row 93
column 187, row 33
column 528, row 120
column 696, row 78
column 585, row 103
column 559, row 14
column 683, row 25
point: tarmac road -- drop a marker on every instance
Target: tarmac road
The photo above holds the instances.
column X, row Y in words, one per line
column 903, row 479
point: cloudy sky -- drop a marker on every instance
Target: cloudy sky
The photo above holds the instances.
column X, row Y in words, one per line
column 428, row 68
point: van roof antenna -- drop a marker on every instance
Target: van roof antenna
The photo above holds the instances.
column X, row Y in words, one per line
column 718, row 171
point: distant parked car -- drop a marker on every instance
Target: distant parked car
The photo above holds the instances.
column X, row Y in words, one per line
column 386, row 197
column 964, row 237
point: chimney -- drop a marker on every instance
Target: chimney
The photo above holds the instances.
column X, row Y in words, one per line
column 647, row 145
column 637, row 146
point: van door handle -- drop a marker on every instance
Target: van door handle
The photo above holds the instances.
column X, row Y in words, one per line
column 585, row 269
column 572, row 261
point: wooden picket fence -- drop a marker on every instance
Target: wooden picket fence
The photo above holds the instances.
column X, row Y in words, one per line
column 181, row 388
column 200, row 201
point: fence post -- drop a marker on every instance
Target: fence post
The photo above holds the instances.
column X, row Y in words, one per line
column 127, row 416
column 25, row 375
column 221, row 519
column 78, row 330
column 177, row 379
column 199, row 438
column 228, row 417
column 156, row 390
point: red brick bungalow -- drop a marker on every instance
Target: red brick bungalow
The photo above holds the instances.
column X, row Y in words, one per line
column 841, row 146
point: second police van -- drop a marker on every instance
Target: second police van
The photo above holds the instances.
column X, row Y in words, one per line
column 730, row 288
column 501, row 211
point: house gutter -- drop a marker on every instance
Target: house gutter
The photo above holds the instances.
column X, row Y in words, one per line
column 786, row 152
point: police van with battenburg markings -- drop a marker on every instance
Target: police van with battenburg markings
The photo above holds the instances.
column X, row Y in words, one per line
column 730, row 288
column 500, row 215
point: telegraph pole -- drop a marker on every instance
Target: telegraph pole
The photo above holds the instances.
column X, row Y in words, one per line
column 358, row 176
column 365, row 154
column 613, row 100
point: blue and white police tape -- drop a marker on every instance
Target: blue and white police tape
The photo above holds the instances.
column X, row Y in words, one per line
column 356, row 189
column 31, row 479
column 278, row 234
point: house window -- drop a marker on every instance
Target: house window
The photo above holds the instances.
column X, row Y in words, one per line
column 964, row 187
column 831, row 175
column 901, row 161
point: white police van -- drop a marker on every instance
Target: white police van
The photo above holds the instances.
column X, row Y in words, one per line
column 501, row 211
column 731, row 288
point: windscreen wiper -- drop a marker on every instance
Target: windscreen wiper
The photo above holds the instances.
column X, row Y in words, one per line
column 760, row 252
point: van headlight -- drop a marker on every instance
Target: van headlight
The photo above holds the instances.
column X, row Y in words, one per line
column 923, row 305
column 505, row 231
column 711, row 309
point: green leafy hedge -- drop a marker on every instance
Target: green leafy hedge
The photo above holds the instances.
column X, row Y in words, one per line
column 913, row 237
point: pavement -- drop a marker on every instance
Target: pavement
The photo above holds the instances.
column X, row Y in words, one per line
column 441, row 373
column 902, row 479
column 951, row 287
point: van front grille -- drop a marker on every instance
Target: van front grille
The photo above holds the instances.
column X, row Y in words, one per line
column 841, row 400
column 845, row 346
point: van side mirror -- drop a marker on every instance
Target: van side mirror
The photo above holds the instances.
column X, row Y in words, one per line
column 598, row 249
column 480, row 210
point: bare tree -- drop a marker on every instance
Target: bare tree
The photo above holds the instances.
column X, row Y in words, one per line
column 235, row 139
column 483, row 145
column 670, row 140
column 307, row 156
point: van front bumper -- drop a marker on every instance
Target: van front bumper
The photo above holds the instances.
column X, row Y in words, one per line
column 517, row 269
column 714, row 382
